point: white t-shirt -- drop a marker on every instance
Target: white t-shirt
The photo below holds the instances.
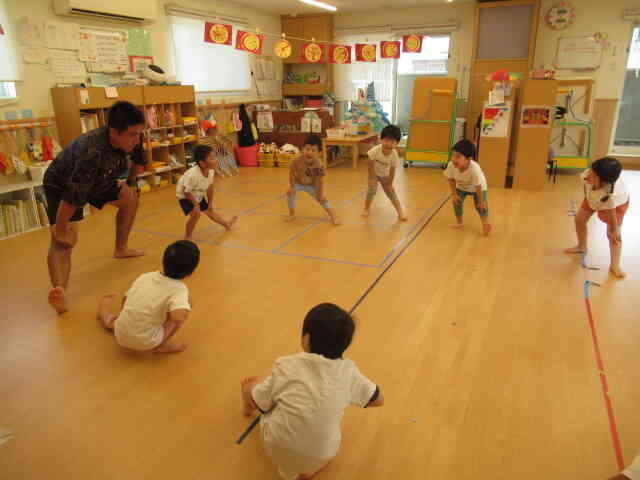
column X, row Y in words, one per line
column 633, row 470
column 594, row 197
column 382, row 163
column 195, row 183
column 468, row 180
column 305, row 396
column 140, row 325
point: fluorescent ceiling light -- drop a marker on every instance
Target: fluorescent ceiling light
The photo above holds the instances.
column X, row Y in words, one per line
column 316, row 3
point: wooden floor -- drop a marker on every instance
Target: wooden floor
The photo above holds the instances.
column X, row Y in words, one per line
column 481, row 345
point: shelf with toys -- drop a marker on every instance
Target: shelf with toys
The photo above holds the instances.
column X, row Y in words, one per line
column 26, row 147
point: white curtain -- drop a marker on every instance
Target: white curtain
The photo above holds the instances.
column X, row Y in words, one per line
column 9, row 66
column 349, row 78
column 208, row 66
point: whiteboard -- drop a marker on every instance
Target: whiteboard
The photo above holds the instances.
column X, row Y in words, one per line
column 578, row 53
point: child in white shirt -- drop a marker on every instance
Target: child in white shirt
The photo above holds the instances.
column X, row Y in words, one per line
column 156, row 305
column 467, row 178
column 606, row 194
column 383, row 163
column 192, row 187
column 303, row 400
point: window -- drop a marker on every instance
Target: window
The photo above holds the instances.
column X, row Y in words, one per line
column 7, row 90
column 9, row 72
column 627, row 136
column 432, row 60
column 209, row 67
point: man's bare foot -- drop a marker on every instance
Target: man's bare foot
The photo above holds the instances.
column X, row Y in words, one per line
column 457, row 225
column 128, row 253
column 365, row 213
column 290, row 218
column 170, row 347
column 486, row 229
column 617, row 272
column 231, row 222
column 248, row 405
column 576, row 249
column 105, row 317
column 58, row 299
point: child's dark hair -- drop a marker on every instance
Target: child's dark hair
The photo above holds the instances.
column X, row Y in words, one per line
column 465, row 147
column 123, row 115
column 201, row 153
column 391, row 131
column 608, row 170
column 330, row 330
column 180, row 259
column 313, row 141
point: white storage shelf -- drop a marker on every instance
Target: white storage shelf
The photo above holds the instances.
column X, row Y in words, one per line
column 24, row 191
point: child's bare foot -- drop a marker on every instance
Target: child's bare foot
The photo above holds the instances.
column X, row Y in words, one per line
column 365, row 213
column 402, row 218
column 290, row 218
column 248, row 405
column 128, row 253
column 617, row 272
column 336, row 221
column 486, row 229
column 576, row 249
column 58, row 299
column 105, row 317
column 457, row 225
column 170, row 347
column 231, row 222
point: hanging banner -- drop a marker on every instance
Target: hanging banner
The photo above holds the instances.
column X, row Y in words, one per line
column 217, row 33
column 412, row 43
column 389, row 49
column 311, row 53
column 283, row 48
column 249, row 42
column 340, row 54
column 365, row 52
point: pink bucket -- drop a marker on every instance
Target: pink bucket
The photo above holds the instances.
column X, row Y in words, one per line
column 247, row 156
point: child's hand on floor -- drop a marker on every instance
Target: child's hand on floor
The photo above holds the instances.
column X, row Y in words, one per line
column 248, row 404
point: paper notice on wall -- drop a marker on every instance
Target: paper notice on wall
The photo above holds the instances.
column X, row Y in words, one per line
column 62, row 36
column 66, row 67
column 111, row 53
column 35, row 55
column 265, row 121
column 31, row 31
column 88, row 50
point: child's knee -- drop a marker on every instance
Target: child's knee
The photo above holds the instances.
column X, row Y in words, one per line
column 195, row 213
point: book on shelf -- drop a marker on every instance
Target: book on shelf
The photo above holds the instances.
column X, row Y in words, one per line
column 17, row 217
column 41, row 205
column 89, row 121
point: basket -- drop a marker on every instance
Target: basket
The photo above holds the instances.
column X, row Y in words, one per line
column 335, row 133
column 266, row 159
column 284, row 159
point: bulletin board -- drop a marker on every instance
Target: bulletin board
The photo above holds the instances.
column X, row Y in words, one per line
column 74, row 53
column 578, row 53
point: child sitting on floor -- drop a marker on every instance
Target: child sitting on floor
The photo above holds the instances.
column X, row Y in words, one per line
column 466, row 178
column 606, row 194
column 192, row 186
column 307, row 173
column 383, row 164
column 303, row 400
column 156, row 305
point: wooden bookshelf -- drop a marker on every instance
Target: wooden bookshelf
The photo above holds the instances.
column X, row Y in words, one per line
column 160, row 144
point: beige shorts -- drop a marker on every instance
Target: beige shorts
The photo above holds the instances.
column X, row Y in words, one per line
column 290, row 464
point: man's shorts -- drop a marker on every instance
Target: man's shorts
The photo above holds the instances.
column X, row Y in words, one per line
column 54, row 197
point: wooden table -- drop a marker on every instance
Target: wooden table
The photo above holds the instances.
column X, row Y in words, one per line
column 352, row 141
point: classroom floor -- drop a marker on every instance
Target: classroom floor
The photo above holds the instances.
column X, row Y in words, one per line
column 482, row 346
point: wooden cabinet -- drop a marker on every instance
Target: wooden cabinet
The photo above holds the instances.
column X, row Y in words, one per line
column 318, row 27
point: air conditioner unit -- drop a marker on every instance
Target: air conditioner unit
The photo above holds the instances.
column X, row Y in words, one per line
column 129, row 11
